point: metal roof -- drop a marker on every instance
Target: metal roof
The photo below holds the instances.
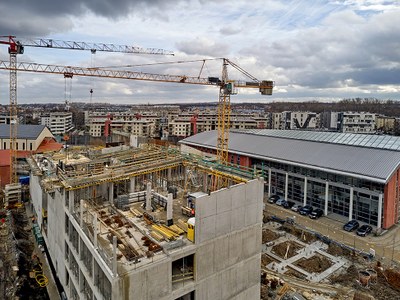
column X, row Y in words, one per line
column 355, row 139
column 29, row 132
column 362, row 162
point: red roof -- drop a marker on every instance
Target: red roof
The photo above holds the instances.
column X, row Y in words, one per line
column 47, row 145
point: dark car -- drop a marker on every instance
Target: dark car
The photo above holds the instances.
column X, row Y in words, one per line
column 364, row 230
column 288, row 204
column 273, row 198
column 316, row 213
column 351, row 225
column 306, row 210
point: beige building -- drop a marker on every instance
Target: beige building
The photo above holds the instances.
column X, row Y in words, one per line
column 58, row 122
column 128, row 122
column 29, row 138
column 384, row 123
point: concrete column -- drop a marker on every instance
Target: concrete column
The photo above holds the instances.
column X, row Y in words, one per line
column 205, row 177
column 305, row 191
column 170, row 220
column 81, row 213
column 286, row 185
column 269, row 182
column 326, row 197
column 95, row 230
column 169, row 175
column 71, row 201
column 148, row 197
column 132, row 182
column 114, row 259
column 351, row 204
column 111, row 192
column 380, row 201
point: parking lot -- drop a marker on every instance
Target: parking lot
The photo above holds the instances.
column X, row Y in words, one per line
column 386, row 246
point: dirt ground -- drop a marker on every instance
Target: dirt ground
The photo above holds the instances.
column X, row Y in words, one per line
column 302, row 235
column 387, row 286
column 315, row 264
column 294, row 273
column 269, row 235
column 281, row 249
column 381, row 290
column 265, row 259
column 336, row 250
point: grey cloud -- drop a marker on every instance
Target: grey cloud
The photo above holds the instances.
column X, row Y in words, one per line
column 366, row 53
column 40, row 18
column 203, row 46
column 229, row 30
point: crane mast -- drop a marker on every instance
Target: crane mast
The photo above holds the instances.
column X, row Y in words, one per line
column 14, row 48
column 224, row 115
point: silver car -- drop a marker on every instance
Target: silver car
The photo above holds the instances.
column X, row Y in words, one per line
column 296, row 207
column 280, row 202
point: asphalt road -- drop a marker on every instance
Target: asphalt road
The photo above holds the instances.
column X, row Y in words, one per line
column 386, row 246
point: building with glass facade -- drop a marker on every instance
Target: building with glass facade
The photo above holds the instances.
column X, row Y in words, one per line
column 349, row 176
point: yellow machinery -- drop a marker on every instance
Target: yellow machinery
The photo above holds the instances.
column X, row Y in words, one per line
column 190, row 232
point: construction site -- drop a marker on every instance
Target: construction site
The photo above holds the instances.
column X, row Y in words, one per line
column 298, row 261
column 148, row 223
column 162, row 222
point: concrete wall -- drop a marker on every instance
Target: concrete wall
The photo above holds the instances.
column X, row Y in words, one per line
column 36, row 193
column 228, row 236
column 56, row 232
column 149, row 283
column 227, row 252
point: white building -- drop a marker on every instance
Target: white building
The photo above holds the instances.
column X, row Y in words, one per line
column 295, row 120
column 29, row 137
column 58, row 122
column 356, row 122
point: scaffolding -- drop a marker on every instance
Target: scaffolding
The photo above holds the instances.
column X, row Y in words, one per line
column 120, row 197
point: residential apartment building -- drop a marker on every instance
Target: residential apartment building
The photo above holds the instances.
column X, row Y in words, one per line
column 161, row 124
column 356, row 122
column 4, row 119
column 329, row 120
column 58, row 122
column 295, row 120
column 142, row 124
column 384, row 123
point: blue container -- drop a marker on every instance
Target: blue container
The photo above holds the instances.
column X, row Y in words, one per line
column 24, row 180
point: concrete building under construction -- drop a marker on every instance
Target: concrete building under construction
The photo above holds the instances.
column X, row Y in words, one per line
column 149, row 223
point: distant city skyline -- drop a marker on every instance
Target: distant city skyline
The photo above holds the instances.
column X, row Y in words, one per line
column 319, row 50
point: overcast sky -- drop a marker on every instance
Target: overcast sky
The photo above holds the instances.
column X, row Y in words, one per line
column 322, row 50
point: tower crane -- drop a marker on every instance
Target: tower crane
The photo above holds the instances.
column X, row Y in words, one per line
column 227, row 87
column 16, row 46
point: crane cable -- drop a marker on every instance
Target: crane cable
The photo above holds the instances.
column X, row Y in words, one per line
column 157, row 63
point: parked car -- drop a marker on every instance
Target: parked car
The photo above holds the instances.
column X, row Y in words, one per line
column 306, row 210
column 351, row 225
column 288, row 204
column 296, row 207
column 274, row 198
column 364, row 230
column 316, row 213
column 280, row 201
